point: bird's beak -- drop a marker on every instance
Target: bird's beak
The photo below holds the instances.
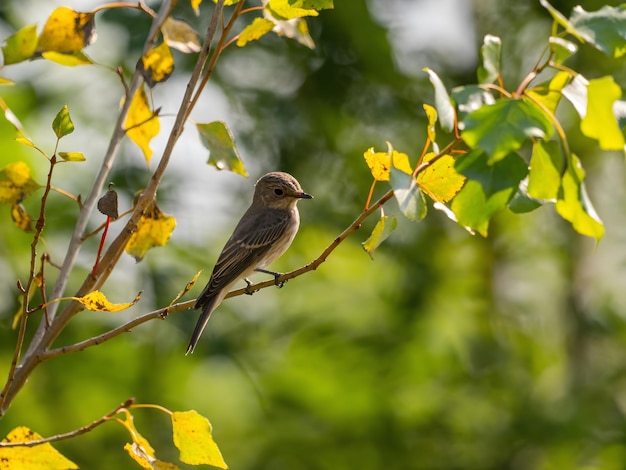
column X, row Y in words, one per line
column 303, row 195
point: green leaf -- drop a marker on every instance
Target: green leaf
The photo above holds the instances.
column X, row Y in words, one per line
column 383, row 228
column 560, row 19
column 62, row 124
column 504, row 127
column 72, row 156
column 21, row 45
column 546, row 167
column 605, row 29
column 490, row 56
column 469, row 98
column 408, row 194
column 574, row 204
column 521, row 202
column 216, row 137
column 257, row 29
column 442, row 101
column 599, row 121
column 284, row 10
column 312, row 4
column 488, row 189
column 561, row 49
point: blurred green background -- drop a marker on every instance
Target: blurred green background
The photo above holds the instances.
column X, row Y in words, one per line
column 447, row 351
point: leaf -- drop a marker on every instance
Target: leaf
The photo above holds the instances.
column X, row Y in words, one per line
column 561, row 49
column 379, row 163
column 16, row 183
column 546, row 166
column 407, row 193
column 283, row 10
column 573, row 203
column 223, row 153
column 192, row 437
column 258, row 28
column 383, row 228
column 576, row 94
column 195, row 5
column 41, row 457
column 142, row 123
column 560, row 19
column 312, row 4
column 490, row 57
column 440, row 180
column 599, row 122
column 295, row 29
column 488, row 189
column 62, row 124
column 470, row 98
column 157, row 64
column 97, row 302
column 521, row 202
column 186, row 289
column 605, row 29
column 550, row 94
column 6, row 81
column 21, row 218
column 20, row 46
column 442, row 101
column 504, row 127
column 154, row 229
column 180, row 36
column 431, row 115
column 72, row 156
column 68, row 60
column 67, row 31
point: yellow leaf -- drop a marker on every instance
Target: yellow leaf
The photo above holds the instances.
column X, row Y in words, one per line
column 97, row 302
column 154, row 229
column 16, row 183
column 6, row 81
column 440, row 180
column 379, row 163
column 69, row 60
column 431, row 114
column 67, row 31
column 187, row 288
column 21, row 218
column 255, row 30
column 142, row 124
column 179, row 35
column 282, row 10
column 195, row 5
column 157, row 65
column 192, row 436
column 41, row 457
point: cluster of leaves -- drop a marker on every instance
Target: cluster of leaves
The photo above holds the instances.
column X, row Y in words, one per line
column 509, row 149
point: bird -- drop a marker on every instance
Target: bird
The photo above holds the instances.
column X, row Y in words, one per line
column 261, row 236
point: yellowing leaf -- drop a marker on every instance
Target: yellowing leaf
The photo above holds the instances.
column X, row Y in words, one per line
column 67, row 31
column 195, row 5
column 154, row 229
column 379, row 163
column 62, row 124
column 6, row 81
column 187, row 288
column 192, row 436
column 21, row 218
column 223, row 153
column 41, row 457
column 383, row 228
column 97, row 302
column 16, row 183
column 142, row 123
column 179, row 35
column 69, row 60
column 20, row 46
column 599, row 121
column 440, row 180
column 258, row 28
column 72, row 156
column 282, row 10
column 157, row 65
column 431, row 114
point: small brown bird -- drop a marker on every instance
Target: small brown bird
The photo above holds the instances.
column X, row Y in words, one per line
column 262, row 235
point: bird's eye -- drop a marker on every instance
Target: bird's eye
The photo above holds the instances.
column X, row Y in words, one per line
column 278, row 192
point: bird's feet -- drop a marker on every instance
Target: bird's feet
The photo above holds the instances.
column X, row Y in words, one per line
column 247, row 290
column 276, row 275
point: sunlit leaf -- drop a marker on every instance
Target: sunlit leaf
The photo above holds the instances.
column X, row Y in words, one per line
column 192, row 437
column 312, row 4
column 296, row 28
column 504, row 127
column 574, row 205
column 157, row 64
column 440, row 180
column 195, row 5
column 605, row 29
column 283, row 10
column 431, row 115
column 599, row 121
column 41, row 457
column 154, row 229
column 561, row 49
column 180, row 36
column 97, row 302
column 560, row 19
column 62, row 124
column 69, row 60
column 67, row 31
column 576, row 93
column 72, row 156
column 383, row 228
column 490, row 56
column 488, row 189
column 407, row 192
column 142, row 123
column 550, row 94
column 258, row 28
column 21, row 218
column 186, row 289
column 6, row 81
column 546, row 166
column 20, row 46
column 442, row 101
column 469, row 98
column 379, row 163
column 16, row 183
column 223, row 153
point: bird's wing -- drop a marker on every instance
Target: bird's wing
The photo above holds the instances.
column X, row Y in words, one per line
column 249, row 243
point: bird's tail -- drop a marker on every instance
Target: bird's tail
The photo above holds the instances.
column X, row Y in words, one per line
column 207, row 309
